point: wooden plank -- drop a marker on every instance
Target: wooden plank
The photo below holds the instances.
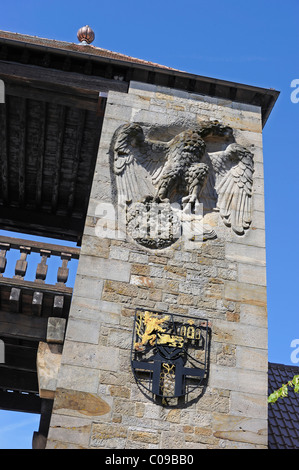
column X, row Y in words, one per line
column 18, row 380
column 18, row 356
column 17, row 325
column 23, row 402
column 58, row 80
column 42, row 223
column 48, row 96
column 32, row 286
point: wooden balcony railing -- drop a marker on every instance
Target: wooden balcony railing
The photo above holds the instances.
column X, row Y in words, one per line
column 45, row 293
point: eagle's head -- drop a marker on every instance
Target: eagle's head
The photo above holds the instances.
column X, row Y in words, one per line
column 131, row 134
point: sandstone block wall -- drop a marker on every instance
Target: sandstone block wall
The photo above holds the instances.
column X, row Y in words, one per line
column 98, row 404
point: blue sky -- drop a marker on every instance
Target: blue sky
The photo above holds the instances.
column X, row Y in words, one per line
column 253, row 42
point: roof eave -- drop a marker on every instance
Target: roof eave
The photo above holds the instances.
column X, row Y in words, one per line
column 153, row 68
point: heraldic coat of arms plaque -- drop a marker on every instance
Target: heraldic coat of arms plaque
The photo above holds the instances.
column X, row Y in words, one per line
column 169, row 355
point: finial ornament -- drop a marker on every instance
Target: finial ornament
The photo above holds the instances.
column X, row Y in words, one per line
column 85, row 35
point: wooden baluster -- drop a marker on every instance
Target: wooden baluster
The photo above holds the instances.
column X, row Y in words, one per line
column 42, row 267
column 63, row 271
column 4, row 247
column 21, row 265
column 62, row 277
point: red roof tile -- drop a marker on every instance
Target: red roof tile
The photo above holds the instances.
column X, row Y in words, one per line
column 84, row 49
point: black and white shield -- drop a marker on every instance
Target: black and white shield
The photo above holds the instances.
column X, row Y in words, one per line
column 169, row 355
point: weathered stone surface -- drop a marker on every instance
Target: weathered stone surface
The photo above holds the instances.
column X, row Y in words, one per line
column 78, row 378
column 87, row 404
column 245, row 293
column 245, row 254
column 90, row 285
column 83, row 330
column 253, row 358
column 254, row 315
column 98, row 404
column 248, row 405
column 239, row 380
column 239, row 334
column 48, row 363
column 108, row 436
column 56, row 330
column 252, row 274
column 102, row 268
column 68, row 429
column 240, row 429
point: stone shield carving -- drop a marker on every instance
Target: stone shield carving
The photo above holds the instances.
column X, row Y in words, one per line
column 159, row 181
column 169, row 355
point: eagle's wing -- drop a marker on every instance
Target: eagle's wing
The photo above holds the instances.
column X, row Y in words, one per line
column 234, row 177
column 137, row 162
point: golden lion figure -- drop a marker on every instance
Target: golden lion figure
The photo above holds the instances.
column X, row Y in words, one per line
column 153, row 330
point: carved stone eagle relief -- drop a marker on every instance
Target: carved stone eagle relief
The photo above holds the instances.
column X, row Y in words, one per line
column 201, row 164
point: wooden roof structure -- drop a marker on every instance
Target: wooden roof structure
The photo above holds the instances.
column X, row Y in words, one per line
column 51, row 124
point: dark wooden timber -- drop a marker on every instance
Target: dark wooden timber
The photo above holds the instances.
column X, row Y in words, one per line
column 51, row 122
column 18, row 325
column 20, row 401
column 36, row 247
column 36, row 296
column 24, row 312
column 48, row 151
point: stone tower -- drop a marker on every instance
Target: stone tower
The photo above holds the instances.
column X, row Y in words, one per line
column 158, row 175
column 132, row 261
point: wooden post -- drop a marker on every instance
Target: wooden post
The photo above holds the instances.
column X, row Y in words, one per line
column 21, row 265
column 15, row 299
column 42, row 267
column 63, row 271
column 4, row 247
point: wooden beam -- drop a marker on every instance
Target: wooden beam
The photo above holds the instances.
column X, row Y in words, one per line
column 56, row 176
column 33, row 286
column 37, row 247
column 79, row 140
column 18, row 356
column 23, row 402
column 15, row 299
column 39, row 440
column 22, row 151
column 18, row 380
column 41, row 223
column 17, row 325
column 59, row 81
column 4, row 151
column 41, row 152
column 48, row 96
column 37, row 303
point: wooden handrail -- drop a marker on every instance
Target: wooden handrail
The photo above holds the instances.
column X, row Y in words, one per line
column 36, row 247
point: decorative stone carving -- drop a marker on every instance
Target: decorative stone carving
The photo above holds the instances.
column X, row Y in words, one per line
column 154, row 178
